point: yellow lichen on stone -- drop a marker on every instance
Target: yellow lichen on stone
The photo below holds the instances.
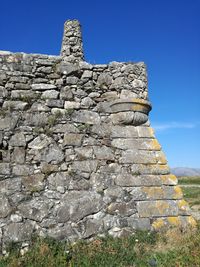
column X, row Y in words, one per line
column 161, row 159
column 151, row 131
column 169, row 179
column 177, row 192
column 174, row 221
column 158, row 224
column 162, row 206
column 191, row 221
column 153, row 192
column 183, row 205
column 155, row 145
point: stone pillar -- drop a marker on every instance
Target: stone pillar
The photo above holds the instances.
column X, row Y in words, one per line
column 72, row 47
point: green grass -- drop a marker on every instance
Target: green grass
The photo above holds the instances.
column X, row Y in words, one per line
column 189, row 180
column 173, row 248
column 192, row 195
column 192, row 192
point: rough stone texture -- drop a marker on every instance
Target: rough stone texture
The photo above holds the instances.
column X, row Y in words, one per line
column 78, row 157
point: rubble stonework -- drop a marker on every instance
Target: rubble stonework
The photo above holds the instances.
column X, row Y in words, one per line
column 78, row 157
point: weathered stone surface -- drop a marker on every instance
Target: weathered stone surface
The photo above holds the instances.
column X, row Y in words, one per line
column 104, row 153
column 42, row 86
column 18, row 155
column 50, row 94
column 5, row 206
column 77, row 205
column 5, row 168
column 72, row 105
column 18, row 232
column 157, row 208
column 36, row 119
column 84, row 152
column 72, row 139
column 34, row 183
column 122, row 117
column 40, row 142
column 18, row 139
column 122, row 209
column 85, row 165
column 8, row 123
column 65, row 128
column 139, row 223
column 123, row 132
column 15, row 105
column 165, row 192
column 128, row 179
column 35, row 209
column 84, row 116
column 59, row 181
column 22, row 170
column 138, row 156
column 52, row 154
column 146, row 132
column 149, row 169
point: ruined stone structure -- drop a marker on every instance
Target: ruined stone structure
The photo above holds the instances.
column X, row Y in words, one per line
column 78, row 157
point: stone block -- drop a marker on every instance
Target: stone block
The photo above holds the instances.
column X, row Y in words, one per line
column 15, row 105
column 155, row 169
column 5, row 168
column 50, row 94
column 78, row 204
column 22, row 170
column 138, row 156
column 128, row 179
column 5, row 206
column 123, row 132
column 34, row 183
column 18, row 140
column 122, row 209
column 18, row 155
column 157, row 208
column 85, row 116
column 73, row 139
column 84, row 165
column 42, row 86
column 104, row 152
column 8, row 123
column 35, row 209
column 72, row 105
column 145, row 132
column 18, row 232
column 169, row 179
column 52, row 154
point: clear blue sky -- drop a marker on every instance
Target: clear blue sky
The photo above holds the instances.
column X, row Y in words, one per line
column 165, row 34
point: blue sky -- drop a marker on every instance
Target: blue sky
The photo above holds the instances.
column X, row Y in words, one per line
column 165, row 34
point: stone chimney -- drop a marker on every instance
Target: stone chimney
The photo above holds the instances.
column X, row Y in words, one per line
column 72, row 47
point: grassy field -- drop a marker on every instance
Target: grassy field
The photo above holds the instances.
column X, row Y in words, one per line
column 173, row 248
column 191, row 189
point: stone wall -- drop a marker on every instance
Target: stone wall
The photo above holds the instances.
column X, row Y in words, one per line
column 77, row 154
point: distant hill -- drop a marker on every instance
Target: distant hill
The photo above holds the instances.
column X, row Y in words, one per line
column 184, row 171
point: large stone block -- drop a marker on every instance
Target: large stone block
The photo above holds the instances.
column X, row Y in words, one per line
column 85, row 116
column 129, row 180
column 5, row 169
column 35, row 209
column 78, row 204
column 72, row 139
column 157, row 208
column 5, row 206
column 18, row 232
